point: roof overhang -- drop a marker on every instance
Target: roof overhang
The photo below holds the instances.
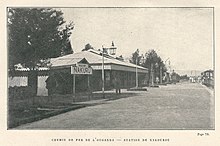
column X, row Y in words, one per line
column 118, row 67
column 59, row 64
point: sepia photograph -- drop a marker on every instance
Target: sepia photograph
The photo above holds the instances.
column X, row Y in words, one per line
column 110, row 68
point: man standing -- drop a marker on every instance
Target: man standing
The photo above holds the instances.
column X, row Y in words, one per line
column 51, row 84
column 117, row 85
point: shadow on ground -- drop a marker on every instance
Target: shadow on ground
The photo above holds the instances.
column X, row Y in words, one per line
column 27, row 110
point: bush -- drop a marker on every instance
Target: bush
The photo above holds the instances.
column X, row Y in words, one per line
column 20, row 92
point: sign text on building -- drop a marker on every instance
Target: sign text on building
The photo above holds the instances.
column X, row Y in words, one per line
column 81, row 69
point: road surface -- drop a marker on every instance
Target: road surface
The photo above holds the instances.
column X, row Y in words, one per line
column 180, row 106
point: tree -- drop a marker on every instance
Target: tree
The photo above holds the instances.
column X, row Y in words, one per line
column 87, row 47
column 121, row 58
column 136, row 58
column 34, row 35
column 154, row 62
column 65, row 34
column 184, row 77
column 175, row 77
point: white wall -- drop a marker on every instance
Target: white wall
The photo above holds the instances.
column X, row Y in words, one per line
column 42, row 90
column 23, row 81
column 17, row 81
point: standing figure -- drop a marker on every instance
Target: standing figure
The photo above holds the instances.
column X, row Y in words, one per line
column 51, row 84
column 117, row 85
column 157, row 80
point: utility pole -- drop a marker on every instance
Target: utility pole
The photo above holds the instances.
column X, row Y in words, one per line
column 74, row 87
column 112, row 50
column 103, row 75
column 161, row 74
column 152, row 75
column 136, row 75
column 167, row 69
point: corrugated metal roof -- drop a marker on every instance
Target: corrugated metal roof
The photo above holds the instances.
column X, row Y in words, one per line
column 64, row 61
column 92, row 57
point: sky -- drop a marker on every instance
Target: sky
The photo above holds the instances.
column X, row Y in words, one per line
column 184, row 35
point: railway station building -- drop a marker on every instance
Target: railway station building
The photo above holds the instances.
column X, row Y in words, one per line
column 114, row 69
column 60, row 74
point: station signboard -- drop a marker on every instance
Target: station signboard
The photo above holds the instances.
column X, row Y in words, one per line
column 81, row 69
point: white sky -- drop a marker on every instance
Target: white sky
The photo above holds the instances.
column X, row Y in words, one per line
column 183, row 35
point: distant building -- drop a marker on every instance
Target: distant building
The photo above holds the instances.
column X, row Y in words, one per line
column 174, row 77
column 207, row 78
column 192, row 79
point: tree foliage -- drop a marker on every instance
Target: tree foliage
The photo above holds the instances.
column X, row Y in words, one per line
column 66, row 45
column 152, row 58
column 36, row 34
column 121, row 58
column 136, row 58
column 154, row 62
column 184, row 77
column 87, row 47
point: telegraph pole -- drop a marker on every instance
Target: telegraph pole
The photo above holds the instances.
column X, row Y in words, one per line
column 152, row 75
column 136, row 75
column 161, row 74
column 167, row 69
column 103, row 75
column 112, row 52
